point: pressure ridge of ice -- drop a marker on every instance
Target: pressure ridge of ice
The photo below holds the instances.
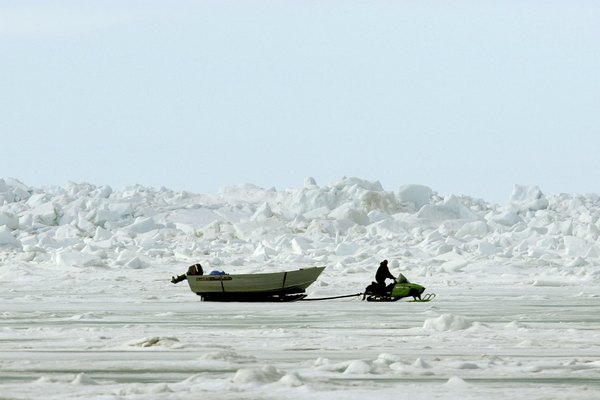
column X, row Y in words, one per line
column 83, row 225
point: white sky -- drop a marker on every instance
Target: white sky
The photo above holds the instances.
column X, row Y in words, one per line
column 467, row 97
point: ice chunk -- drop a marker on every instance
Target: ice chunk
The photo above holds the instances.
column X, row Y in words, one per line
column 263, row 252
column 474, row 229
column 13, row 190
column 45, row 213
column 486, row 249
column 550, row 283
column 225, row 355
column 263, row 212
column 346, row 249
column 388, row 358
column 507, row 218
column 577, row 262
column 575, row 246
column 9, row 220
column 102, row 234
column 154, row 341
column 67, row 235
column 143, row 225
column 467, row 365
column 196, row 217
column 419, row 363
column 346, row 183
column 452, row 208
column 75, row 258
column 7, row 238
column 347, row 211
column 447, row 322
column 292, row 380
column 454, row 265
column 83, row 379
column 417, row 195
column 456, row 381
column 529, row 197
column 300, row 245
column 136, row 263
column 310, row 182
column 358, row 367
column 266, row 374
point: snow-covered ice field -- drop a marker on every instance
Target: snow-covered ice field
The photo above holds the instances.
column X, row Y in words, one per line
column 88, row 311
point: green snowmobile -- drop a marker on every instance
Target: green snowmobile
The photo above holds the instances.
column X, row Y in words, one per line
column 400, row 289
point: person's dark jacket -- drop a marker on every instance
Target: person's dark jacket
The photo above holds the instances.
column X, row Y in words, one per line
column 383, row 273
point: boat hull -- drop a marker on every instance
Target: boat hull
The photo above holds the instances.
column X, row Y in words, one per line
column 276, row 286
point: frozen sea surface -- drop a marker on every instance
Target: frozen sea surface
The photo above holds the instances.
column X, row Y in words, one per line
column 87, row 310
column 159, row 341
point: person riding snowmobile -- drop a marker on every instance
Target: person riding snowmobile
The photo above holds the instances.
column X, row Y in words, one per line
column 398, row 289
column 383, row 273
column 379, row 287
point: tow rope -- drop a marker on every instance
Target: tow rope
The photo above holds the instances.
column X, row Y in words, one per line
column 333, row 297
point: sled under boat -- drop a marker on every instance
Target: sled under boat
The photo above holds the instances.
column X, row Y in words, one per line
column 273, row 286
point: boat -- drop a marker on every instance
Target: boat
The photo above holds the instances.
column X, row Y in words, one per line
column 272, row 286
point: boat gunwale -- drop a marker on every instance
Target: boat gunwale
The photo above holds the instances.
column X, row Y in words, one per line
column 226, row 277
